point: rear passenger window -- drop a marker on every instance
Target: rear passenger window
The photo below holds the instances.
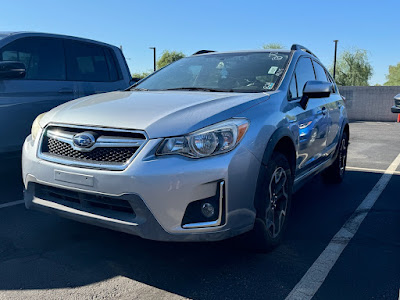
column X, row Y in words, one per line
column 304, row 72
column 88, row 62
column 112, row 65
column 43, row 57
column 334, row 86
column 319, row 72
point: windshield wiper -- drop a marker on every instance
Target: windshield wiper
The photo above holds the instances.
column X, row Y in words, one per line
column 138, row 89
column 198, row 89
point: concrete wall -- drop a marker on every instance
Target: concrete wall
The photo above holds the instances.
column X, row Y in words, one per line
column 370, row 103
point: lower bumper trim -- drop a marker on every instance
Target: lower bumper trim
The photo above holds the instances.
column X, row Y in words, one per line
column 144, row 225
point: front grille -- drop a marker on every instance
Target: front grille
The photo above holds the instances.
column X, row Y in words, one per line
column 109, row 155
column 86, row 202
column 110, row 149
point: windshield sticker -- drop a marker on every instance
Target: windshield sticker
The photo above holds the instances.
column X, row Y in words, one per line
column 272, row 70
column 268, row 86
column 275, row 56
column 279, row 72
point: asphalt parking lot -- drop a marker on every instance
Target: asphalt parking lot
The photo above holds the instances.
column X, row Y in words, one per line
column 46, row 257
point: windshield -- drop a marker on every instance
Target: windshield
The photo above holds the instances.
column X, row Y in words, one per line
column 232, row 72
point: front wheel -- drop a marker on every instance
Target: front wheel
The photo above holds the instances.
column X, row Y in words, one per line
column 335, row 173
column 273, row 202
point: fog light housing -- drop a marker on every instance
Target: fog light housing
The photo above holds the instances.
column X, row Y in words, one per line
column 208, row 210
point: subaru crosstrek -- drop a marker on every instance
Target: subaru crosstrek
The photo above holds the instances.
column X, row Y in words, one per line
column 207, row 148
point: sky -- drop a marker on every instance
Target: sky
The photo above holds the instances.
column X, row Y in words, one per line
column 189, row 26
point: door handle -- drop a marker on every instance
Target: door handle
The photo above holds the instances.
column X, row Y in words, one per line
column 322, row 111
column 66, row 91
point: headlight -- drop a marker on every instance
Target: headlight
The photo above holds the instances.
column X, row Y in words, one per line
column 215, row 139
column 36, row 126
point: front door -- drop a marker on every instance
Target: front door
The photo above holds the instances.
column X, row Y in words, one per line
column 311, row 125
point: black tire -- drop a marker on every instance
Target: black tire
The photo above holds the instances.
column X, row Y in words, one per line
column 335, row 173
column 273, row 200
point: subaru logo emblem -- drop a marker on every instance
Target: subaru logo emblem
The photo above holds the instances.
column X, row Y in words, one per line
column 84, row 140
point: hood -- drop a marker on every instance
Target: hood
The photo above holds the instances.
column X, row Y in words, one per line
column 159, row 113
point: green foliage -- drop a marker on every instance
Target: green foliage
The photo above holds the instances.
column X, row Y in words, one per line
column 353, row 68
column 140, row 75
column 393, row 78
column 273, row 46
column 169, row 57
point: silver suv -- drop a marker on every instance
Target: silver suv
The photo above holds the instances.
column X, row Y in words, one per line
column 209, row 147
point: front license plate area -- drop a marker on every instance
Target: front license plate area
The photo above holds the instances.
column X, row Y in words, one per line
column 75, row 178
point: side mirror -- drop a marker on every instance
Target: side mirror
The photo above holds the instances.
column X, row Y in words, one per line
column 12, row 70
column 315, row 89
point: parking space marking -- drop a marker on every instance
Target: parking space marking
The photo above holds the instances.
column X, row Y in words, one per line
column 379, row 171
column 11, row 204
column 317, row 273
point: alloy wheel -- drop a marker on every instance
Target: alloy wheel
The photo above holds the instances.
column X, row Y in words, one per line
column 278, row 202
column 343, row 156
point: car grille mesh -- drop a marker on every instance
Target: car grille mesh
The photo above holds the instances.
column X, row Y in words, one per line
column 109, row 155
column 113, row 149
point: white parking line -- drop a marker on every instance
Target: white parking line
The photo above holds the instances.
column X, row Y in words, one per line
column 11, row 203
column 316, row 274
column 379, row 171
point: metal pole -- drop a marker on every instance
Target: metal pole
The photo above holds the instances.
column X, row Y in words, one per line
column 155, row 62
column 334, row 60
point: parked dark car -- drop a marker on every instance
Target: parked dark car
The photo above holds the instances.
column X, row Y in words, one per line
column 396, row 107
column 39, row 71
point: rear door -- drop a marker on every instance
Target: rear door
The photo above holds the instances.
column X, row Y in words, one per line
column 93, row 68
column 44, row 87
column 310, row 123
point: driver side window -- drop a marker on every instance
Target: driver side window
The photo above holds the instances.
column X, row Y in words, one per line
column 43, row 57
column 304, row 72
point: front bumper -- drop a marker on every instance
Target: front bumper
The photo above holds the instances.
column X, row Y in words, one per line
column 159, row 189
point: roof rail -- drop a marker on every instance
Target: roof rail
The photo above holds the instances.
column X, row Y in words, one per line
column 302, row 48
column 203, row 51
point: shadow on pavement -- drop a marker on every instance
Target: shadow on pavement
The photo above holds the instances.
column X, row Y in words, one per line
column 11, row 185
column 40, row 251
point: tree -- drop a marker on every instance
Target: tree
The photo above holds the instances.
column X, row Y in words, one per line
column 393, row 78
column 140, row 75
column 169, row 57
column 353, row 68
column 273, row 46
